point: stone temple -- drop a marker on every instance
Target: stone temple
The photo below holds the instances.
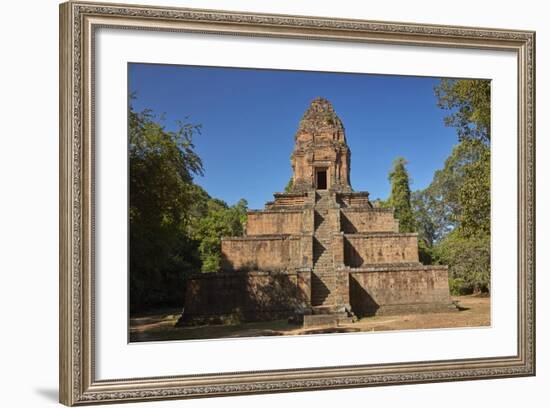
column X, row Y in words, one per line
column 320, row 253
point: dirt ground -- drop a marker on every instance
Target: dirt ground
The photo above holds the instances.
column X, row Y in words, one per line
column 473, row 311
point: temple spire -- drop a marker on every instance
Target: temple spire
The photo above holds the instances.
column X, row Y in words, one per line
column 321, row 156
column 320, row 115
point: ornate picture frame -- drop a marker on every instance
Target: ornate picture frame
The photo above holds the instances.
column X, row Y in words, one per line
column 78, row 24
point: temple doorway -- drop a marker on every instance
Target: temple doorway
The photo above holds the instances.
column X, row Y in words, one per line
column 321, row 179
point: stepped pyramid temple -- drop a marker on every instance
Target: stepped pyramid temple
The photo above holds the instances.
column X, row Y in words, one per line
column 320, row 253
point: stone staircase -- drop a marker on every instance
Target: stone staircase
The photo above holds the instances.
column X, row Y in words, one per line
column 323, row 281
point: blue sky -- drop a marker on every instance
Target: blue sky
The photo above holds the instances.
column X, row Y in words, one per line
column 249, row 118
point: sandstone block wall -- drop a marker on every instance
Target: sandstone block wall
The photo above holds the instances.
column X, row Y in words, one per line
column 342, row 287
column 362, row 220
column 338, row 254
column 324, row 151
column 266, row 253
column 356, row 199
column 289, row 200
column 389, row 248
column 332, row 218
column 274, row 222
column 247, row 296
column 399, row 289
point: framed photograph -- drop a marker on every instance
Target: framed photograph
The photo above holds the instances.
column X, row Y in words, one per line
column 218, row 236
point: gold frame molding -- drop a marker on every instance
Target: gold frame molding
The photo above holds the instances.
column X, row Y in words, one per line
column 78, row 22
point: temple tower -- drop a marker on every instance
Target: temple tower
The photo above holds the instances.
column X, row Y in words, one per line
column 321, row 156
column 320, row 251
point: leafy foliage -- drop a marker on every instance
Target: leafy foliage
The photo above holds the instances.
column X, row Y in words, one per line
column 442, row 206
column 161, row 167
column 219, row 221
column 423, row 210
column 454, row 211
column 170, row 217
column 475, row 196
column 470, row 101
column 469, row 261
column 400, row 198
column 452, row 215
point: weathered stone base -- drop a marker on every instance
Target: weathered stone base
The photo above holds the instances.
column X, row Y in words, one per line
column 245, row 296
column 391, row 290
column 415, row 308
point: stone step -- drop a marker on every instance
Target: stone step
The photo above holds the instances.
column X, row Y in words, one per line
column 319, row 299
column 326, row 285
column 324, row 277
column 323, row 291
column 323, row 286
column 323, row 302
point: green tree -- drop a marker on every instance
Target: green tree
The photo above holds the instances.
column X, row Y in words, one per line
column 457, row 203
column 475, row 197
column 400, row 197
column 161, row 196
column 470, row 103
column 469, row 261
column 422, row 209
column 220, row 221
column 440, row 207
column 175, row 226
